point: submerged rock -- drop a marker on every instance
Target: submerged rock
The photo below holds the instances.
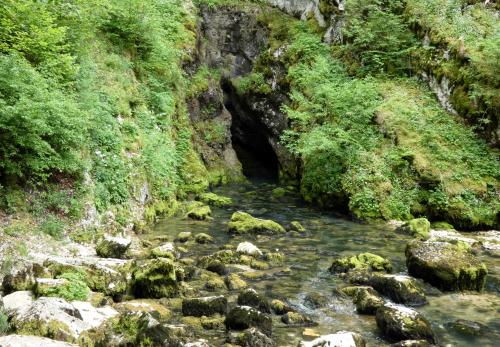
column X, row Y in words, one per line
column 445, row 266
column 296, row 226
column 419, row 228
column 248, row 248
column 184, row 236
column 403, row 323
column 315, row 300
column 340, row 339
column 244, row 317
column 113, row 246
column 243, row 223
column 155, row 279
column 253, row 299
column 399, row 288
column 468, row 327
column 31, row 341
column 203, row 238
column 363, row 261
column 206, row 306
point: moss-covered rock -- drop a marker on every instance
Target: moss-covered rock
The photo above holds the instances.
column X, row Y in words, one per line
column 203, row 238
column 446, row 266
column 152, row 307
column 215, row 200
column 367, row 300
column 155, row 279
column 296, row 319
column 166, row 250
column 113, row 247
column 402, row 323
column 200, row 213
column 235, row 282
column 244, row 317
column 278, row 193
column 419, row 228
column 243, row 223
column 400, row 289
column 315, row 300
column 341, row 339
column 279, row 307
column 253, row 338
column 251, row 298
column 363, row 261
column 224, row 257
column 296, row 226
column 206, row 306
column 184, row 236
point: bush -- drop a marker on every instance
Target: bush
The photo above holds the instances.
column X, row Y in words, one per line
column 53, row 226
column 74, row 289
column 4, row 323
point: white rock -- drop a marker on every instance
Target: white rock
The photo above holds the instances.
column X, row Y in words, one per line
column 340, row 339
column 249, row 249
column 17, row 301
column 31, row 341
column 94, row 316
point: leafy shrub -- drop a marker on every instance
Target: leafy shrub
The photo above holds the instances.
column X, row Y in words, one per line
column 74, row 289
column 4, row 323
column 53, row 226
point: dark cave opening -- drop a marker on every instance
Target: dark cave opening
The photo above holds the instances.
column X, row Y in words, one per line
column 250, row 138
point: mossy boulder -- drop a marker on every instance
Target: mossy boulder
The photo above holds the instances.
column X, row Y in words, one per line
column 184, row 236
column 279, row 192
column 215, row 200
column 224, row 257
column 253, row 338
column 206, row 306
column 200, row 213
column 340, row 339
column 203, row 238
column 296, row 319
column 315, row 300
column 446, row 266
column 244, row 223
column 279, row 307
column 363, row 261
column 155, row 279
column 419, row 228
column 251, row 298
column 367, row 300
column 402, row 323
column 113, row 246
column 244, row 317
column 152, row 307
column 166, row 250
column 296, row 226
column 235, row 282
column 400, row 289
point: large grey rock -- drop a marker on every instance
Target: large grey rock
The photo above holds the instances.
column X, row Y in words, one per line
column 248, row 248
column 31, row 341
column 113, row 246
column 339, row 339
column 400, row 289
column 17, row 301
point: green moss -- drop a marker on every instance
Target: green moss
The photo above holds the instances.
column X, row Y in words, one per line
column 200, row 213
column 243, row 223
column 73, row 288
column 52, row 329
column 155, row 279
column 442, row 226
column 278, row 192
column 418, row 228
column 215, row 200
column 363, row 261
column 4, row 322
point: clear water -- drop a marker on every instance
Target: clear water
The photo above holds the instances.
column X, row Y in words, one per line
column 308, row 257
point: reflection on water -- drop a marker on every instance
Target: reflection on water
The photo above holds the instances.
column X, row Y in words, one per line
column 308, row 255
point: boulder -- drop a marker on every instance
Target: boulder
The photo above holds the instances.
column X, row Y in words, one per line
column 235, row 282
column 244, row 317
column 243, row 223
column 403, row 323
column 155, row 279
column 215, row 200
column 400, row 289
column 296, row 226
column 203, row 238
column 31, row 341
column 113, row 246
column 248, row 248
column 315, row 300
column 21, row 276
column 253, row 299
column 363, row 261
column 296, row 319
column 340, row 339
column 280, row 308
column 206, row 306
column 367, row 300
column 138, row 306
column 468, row 327
column 254, row 338
column 166, row 250
column 17, row 301
column 446, row 266
column 224, row 256
column 419, row 228
column 184, row 236
column 200, row 213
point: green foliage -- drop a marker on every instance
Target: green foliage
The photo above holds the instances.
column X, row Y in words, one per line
column 4, row 323
column 75, row 287
column 53, row 226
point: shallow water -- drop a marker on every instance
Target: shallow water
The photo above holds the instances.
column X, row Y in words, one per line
column 308, row 256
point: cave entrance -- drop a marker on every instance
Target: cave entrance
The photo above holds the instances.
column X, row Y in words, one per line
column 250, row 138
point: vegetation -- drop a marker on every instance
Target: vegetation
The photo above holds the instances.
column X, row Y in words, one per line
column 75, row 287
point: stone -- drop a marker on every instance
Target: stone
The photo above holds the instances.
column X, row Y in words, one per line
column 138, row 306
column 31, row 341
column 203, row 238
column 253, row 299
column 200, row 213
column 363, row 261
column 468, row 327
column 248, row 248
column 315, row 300
column 254, row 338
column 419, row 228
column 217, row 267
column 244, row 317
column 206, row 306
column 412, row 343
column 278, row 193
column 166, row 250
column 155, row 279
column 446, row 266
column 215, row 283
column 215, row 200
column 296, row 319
column 403, row 323
column 339, row 339
column 296, row 226
column 235, row 282
column 113, row 246
column 243, row 223
column 17, row 301
column 280, row 308
column 21, row 277
column 400, row 289
column 184, row 236
column 224, row 256
column 367, row 300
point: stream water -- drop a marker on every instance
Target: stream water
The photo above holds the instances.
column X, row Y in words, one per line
column 308, row 256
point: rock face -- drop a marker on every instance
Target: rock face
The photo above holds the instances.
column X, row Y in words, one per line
column 207, row 306
column 243, row 223
column 113, row 247
column 402, row 323
column 340, row 339
column 363, row 261
column 155, row 279
column 244, row 317
column 446, row 266
column 31, row 341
